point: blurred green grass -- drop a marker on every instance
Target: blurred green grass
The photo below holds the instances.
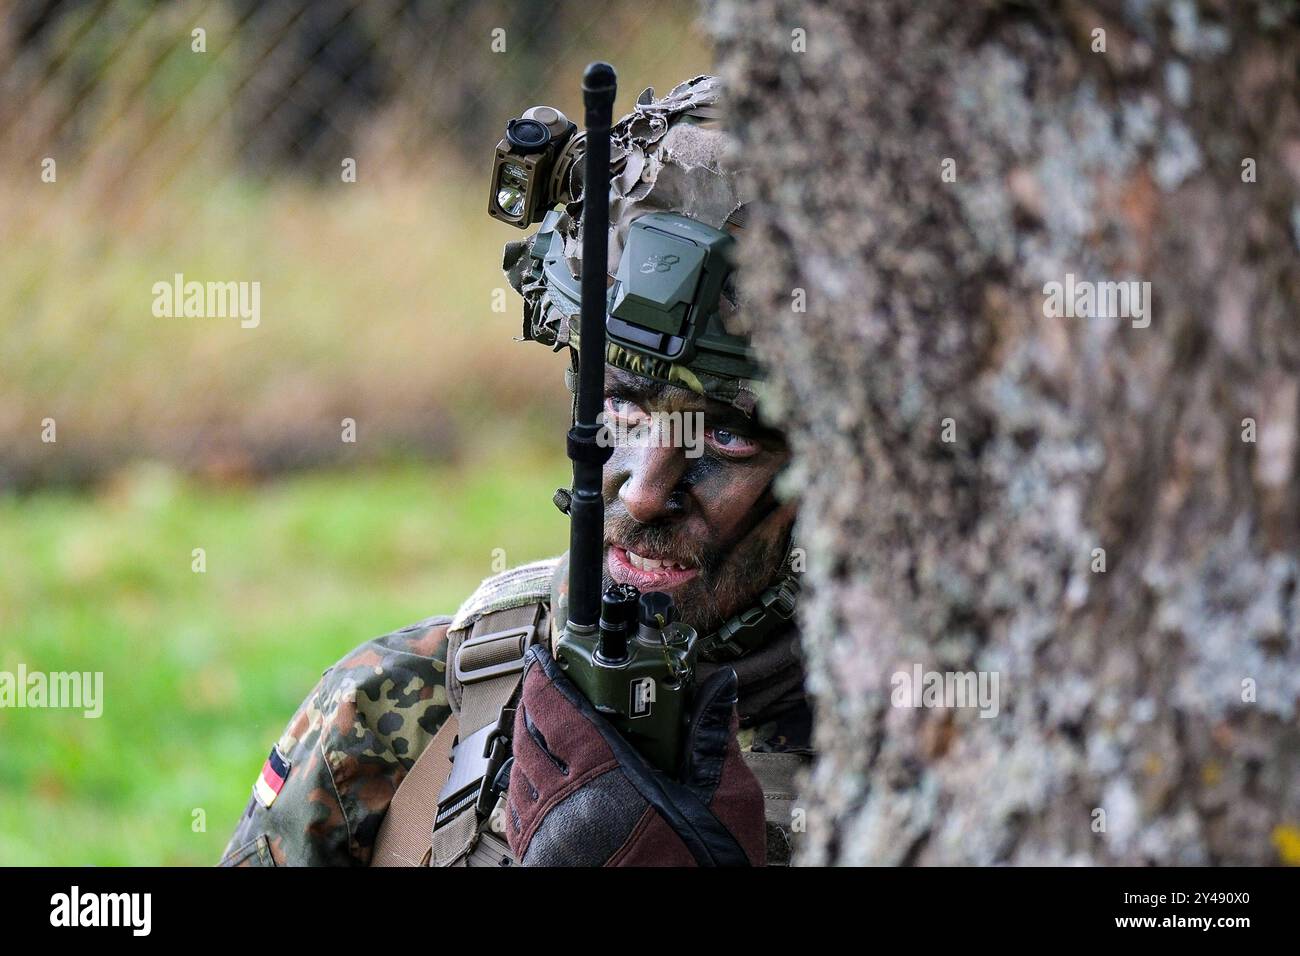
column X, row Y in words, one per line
column 202, row 671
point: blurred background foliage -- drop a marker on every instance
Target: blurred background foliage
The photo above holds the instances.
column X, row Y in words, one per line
column 181, row 433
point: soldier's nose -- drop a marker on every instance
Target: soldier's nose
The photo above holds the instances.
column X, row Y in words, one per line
column 650, row 489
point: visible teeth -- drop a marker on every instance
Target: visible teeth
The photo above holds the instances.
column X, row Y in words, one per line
column 652, row 564
column 645, row 564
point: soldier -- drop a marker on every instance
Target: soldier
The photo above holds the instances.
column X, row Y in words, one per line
column 457, row 740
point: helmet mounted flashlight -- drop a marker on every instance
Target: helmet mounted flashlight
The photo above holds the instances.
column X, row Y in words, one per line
column 533, row 164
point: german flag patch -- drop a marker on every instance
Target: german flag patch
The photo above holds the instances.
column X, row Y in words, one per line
column 271, row 780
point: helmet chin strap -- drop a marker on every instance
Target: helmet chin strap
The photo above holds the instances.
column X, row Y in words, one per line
column 756, row 625
column 774, row 609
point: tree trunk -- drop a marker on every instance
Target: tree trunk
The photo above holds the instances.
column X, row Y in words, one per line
column 969, row 459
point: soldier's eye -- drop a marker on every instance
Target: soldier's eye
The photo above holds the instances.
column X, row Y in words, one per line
column 625, row 421
column 729, row 443
column 620, row 409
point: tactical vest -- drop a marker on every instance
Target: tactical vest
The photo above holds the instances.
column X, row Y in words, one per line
column 449, row 809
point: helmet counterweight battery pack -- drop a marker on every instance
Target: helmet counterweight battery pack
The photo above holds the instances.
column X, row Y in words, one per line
column 668, row 284
column 664, row 301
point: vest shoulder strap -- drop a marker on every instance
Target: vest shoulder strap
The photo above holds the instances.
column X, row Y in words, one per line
column 403, row 838
column 443, row 803
column 525, row 586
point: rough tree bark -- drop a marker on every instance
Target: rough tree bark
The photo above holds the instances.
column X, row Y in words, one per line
column 1164, row 690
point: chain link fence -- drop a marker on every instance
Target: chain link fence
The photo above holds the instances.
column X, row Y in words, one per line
column 213, row 138
column 295, row 84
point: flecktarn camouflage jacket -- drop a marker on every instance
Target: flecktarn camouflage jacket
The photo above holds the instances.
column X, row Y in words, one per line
column 324, row 789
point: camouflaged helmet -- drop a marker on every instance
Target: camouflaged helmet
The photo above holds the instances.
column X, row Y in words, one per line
column 667, row 164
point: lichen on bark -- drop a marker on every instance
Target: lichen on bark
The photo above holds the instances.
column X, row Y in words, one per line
column 1124, row 690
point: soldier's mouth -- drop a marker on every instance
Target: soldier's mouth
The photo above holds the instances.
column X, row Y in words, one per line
column 646, row 572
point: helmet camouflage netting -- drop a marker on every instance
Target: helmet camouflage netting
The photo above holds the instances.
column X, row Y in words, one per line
column 665, row 156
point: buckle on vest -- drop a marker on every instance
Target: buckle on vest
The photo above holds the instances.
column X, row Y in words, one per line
column 781, row 598
column 477, row 760
column 476, row 763
column 479, row 658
